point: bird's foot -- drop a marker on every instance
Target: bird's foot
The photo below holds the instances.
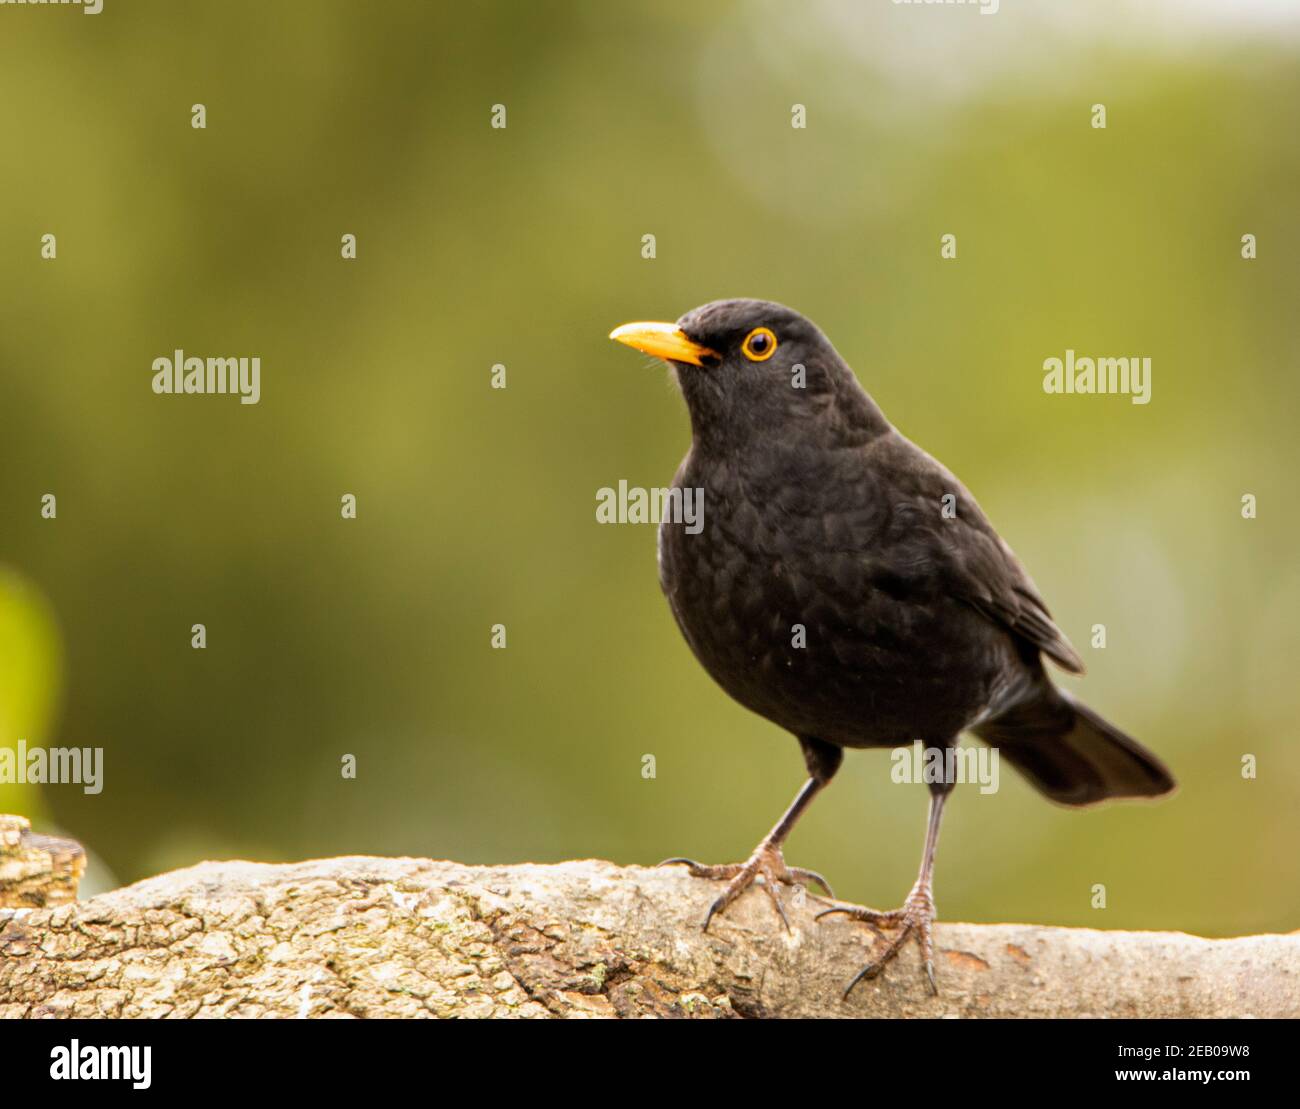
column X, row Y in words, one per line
column 916, row 917
column 766, row 861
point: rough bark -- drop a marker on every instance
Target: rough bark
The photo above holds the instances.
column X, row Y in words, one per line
column 354, row 937
column 36, row 870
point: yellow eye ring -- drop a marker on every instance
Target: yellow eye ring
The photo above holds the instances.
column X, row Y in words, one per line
column 759, row 345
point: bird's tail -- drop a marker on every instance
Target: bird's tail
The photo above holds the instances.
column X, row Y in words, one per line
column 1071, row 754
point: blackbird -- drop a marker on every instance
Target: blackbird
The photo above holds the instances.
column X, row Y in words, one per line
column 847, row 587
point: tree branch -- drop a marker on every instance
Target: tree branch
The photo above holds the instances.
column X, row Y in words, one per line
column 36, row 870
column 411, row 937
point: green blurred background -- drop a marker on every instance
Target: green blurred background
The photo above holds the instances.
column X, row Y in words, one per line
column 523, row 246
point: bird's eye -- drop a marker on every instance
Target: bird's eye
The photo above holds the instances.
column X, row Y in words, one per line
column 759, row 345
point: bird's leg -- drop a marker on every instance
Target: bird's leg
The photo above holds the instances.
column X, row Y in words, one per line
column 916, row 916
column 823, row 760
column 766, row 860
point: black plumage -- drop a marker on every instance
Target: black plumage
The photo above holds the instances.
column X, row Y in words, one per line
column 918, row 622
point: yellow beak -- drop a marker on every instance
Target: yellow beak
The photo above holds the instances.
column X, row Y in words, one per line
column 663, row 340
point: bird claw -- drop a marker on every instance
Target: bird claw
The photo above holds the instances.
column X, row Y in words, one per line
column 915, row 917
column 766, row 861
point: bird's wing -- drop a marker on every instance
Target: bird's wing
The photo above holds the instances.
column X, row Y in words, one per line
column 961, row 547
column 1002, row 591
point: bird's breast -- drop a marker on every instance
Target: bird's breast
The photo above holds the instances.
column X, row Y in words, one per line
column 785, row 595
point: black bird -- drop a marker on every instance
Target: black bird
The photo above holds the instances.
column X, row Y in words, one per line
column 847, row 587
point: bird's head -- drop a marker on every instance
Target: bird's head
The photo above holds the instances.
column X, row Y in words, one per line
column 751, row 370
